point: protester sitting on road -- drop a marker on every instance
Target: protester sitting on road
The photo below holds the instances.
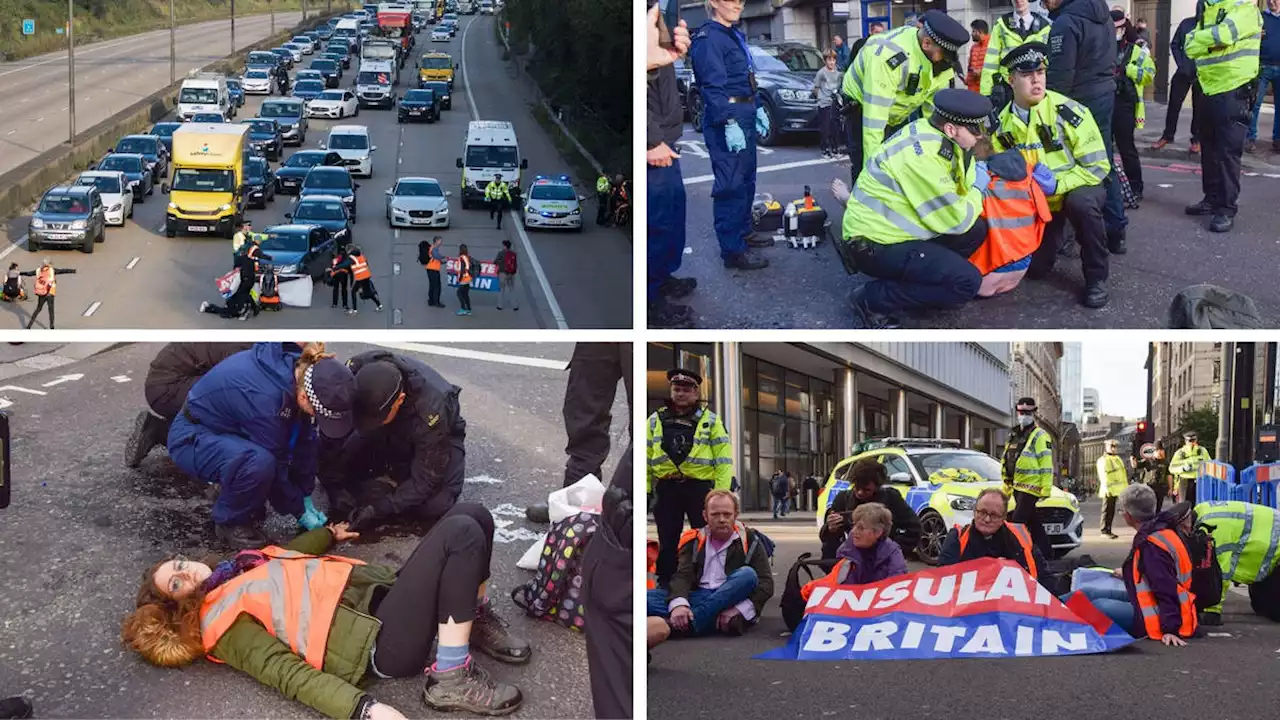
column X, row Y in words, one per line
column 723, row 579
column 14, row 288
column 249, row 425
column 173, row 372
column 869, row 479
column 991, row 536
column 366, row 619
column 868, row 555
column 1247, row 538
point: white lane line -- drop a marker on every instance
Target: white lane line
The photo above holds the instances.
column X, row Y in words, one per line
column 41, row 119
column 11, row 132
column 132, row 263
column 484, row 480
column 121, row 378
column 63, row 379
column 15, row 388
column 552, row 304
column 770, row 168
column 92, row 309
column 466, row 354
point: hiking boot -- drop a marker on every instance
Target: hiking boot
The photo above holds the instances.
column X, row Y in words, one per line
column 674, row 288
column 469, row 688
column 1195, row 148
column 1201, row 208
column 148, row 432
column 864, row 318
column 755, row 240
column 490, row 636
column 1221, row 223
column 663, row 315
column 1159, row 144
column 746, row 261
column 1211, row 619
column 539, row 514
column 1095, row 295
column 1115, row 242
column 241, row 537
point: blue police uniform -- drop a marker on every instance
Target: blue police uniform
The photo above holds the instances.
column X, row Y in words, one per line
column 724, row 70
column 241, row 428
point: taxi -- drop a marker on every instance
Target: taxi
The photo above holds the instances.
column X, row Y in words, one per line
column 552, row 203
column 940, row 480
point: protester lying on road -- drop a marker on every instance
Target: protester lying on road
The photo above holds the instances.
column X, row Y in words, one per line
column 251, row 612
column 869, row 479
column 723, row 578
column 991, row 536
column 868, row 555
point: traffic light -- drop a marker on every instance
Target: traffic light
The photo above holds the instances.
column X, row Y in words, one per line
column 1142, row 431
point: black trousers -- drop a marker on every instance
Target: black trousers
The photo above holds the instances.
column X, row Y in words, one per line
column 673, row 502
column 1108, row 513
column 1123, row 126
column 237, row 305
column 1225, row 126
column 1187, row 490
column 1264, row 597
column 1082, row 208
column 341, row 285
column 1179, row 85
column 364, row 288
column 41, row 302
column 1161, row 492
column 602, row 208
column 464, row 297
column 1026, row 512
column 433, row 287
column 497, row 208
column 829, row 125
column 439, row 581
column 608, row 587
column 921, row 274
column 853, row 126
column 594, row 372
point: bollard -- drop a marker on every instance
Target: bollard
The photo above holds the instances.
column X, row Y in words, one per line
column 4, row 458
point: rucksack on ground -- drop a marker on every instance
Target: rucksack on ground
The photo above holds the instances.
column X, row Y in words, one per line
column 555, row 591
column 269, row 290
column 509, row 262
column 791, row 604
column 1206, row 574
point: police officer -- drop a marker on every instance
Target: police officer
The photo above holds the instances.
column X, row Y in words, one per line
column 1011, row 30
column 914, row 217
column 408, row 452
column 1184, row 466
column 1028, row 470
column 895, row 74
column 602, row 199
column 1247, row 539
column 731, row 121
column 689, row 455
column 1224, row 45
column 1113, row 478
column 498, row 195
column 1071, row 162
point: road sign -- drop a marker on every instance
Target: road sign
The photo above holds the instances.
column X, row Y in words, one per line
column 1148, row 450
column 29, row 26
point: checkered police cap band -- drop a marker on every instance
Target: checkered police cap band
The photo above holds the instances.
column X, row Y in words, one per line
column 321, row 410
column 960, row 119
column 939, row 40
column 1028, row 60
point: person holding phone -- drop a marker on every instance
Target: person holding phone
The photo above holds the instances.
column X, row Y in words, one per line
column 868, row 479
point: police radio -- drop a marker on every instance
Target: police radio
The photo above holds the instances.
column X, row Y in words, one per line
column 1266, row 450
column 4, row 458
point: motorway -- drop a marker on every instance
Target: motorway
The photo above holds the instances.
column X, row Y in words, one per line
column 82, row 528
column 110, row 76
column 808, row 288
column 1228, row 675
column 140, row 279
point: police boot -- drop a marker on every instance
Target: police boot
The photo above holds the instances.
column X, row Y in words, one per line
column 1221, row 223
column 663, row 314
column 490, row 635
column 469, row 688
column 864, row 318
column 148, row 432
column 1115, row 242
column 1201, row 208
column 1211, row 619
column 241, row 537
column 1095, row 294
column 746, row 261
column 755, row 240
column 674, row 288
column 16, row 707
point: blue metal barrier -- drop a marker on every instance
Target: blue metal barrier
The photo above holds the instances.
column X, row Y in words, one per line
column 1217, row 481
column 1260, row 484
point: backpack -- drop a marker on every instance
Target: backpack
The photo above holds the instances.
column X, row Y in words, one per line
column 1206, row 574
column 269, row 289
column 791, row 604
column 509, row 262
column 778, row 486
column 424, row 252
column 554, row 593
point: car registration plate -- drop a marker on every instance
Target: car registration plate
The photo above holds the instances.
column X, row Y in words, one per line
column 1054, row 529
column 415, row 112
column 198, row 228
column 420, row 221
column 58, row 236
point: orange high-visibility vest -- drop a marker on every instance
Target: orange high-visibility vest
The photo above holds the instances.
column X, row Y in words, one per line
column 831, row 579
column 652, row 570
column 701, row 536
column 294, row 596
column 1168, row 541
column 45, row 282
column 1017, row 213
column 360, row 268
column 433, row 263
column 464, row 269
column 1024, row 540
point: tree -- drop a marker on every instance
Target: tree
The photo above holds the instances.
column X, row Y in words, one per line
column 1203, row 421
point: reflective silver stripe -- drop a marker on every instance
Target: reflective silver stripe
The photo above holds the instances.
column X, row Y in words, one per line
column 874, row 123
column 1244, row 541
column 1004, row 192
column 1242, row 53
column 965, row 223
column 1092, row 157
column 658, row 460
column 883, row 178
column 275, row 573
column 877, row 100
column 722, row 461
column 699, row 461
column 1217, row 34
column 879, row 207
column 937, row 203
column 718, row 441
column 1267, row 560
column 304, row 612
column 1011, row 223
column 230, row 599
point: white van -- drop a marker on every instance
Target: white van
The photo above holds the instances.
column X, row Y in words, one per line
column 204, row 93
column 374, row 83
column 489, row 149
column 353, row 144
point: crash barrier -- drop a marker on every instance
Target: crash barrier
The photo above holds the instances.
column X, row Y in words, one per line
column 1217, row 481
column 1260, row 484
column 22, row 186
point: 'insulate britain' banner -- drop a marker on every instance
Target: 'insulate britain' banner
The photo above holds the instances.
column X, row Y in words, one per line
column 981, row 608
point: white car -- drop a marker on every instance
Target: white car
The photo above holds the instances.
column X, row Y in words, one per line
column 257, row 82
column 334, row 104
column 354, row 146
column 418, row 202
column 295, row 50
column 440, row 34
column 305, row 43
column 552, row 203
column 113, row 186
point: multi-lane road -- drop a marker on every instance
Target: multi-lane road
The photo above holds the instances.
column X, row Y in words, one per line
column 140, row 279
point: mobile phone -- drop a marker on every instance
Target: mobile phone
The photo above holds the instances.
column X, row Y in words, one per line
column 668, row 20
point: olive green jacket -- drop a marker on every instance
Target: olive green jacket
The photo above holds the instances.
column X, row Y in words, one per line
column 250, row 648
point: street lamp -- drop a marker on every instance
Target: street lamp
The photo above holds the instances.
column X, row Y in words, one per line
column 71, row 70
column 173, row 68
column 233, row 27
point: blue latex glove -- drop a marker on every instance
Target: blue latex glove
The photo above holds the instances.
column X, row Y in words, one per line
column 733, row 137
column 311, row 517
column 762, row 122
column 1044, row 178
column 982, row 176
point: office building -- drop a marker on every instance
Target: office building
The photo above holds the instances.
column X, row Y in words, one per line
column 1070, row 383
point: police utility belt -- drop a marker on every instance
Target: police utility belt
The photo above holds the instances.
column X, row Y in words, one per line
column 680, row 479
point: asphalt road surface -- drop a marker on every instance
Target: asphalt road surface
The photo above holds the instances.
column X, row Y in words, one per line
column 1168, row 251
column 139, row 278
column 110, row 76
column 1225, row 677
column 82, row 528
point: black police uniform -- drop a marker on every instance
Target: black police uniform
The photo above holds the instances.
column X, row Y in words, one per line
column 594, row 372
column 676, row 502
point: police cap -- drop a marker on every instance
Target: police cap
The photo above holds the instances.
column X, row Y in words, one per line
column 945, row 30
column 684, row 376
column 962, row 107
column 378, row 385
column 1025, row 403
column 1027, row 57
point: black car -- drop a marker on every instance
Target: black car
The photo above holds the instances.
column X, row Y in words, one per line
column 264, row 135
column 440, row 89
column 784, row 78
column 286, row 57
column 150, row 147
column 331, row 181
column 68, row 216
column 343, row 59
column 419, row 105
column 259, row 182
column 135, row 170
column 290, row 175
column 164, row 131
column 299, row 249
column 326, row 211
column 330, row 69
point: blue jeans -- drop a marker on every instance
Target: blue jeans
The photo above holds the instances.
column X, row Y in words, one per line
column 1268, row 74
column 779, row 506
column 707, row 604
column 666, row 225
column 1120, row 611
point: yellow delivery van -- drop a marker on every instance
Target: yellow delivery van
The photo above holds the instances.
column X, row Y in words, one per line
column 205, row 194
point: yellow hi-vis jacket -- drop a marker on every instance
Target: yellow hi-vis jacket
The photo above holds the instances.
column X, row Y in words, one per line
column 1185, row 464
column 710, row 459
column 1225, row 44
column 1062, row 134
column 1112, row 476
column 1033, row 473
column 1004, row 37
column 1140, row 68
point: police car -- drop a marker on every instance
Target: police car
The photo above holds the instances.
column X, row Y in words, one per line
column 940, row 481
column 552, row 203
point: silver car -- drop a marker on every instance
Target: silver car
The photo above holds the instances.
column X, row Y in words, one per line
column 418, row 202
column 552, row 203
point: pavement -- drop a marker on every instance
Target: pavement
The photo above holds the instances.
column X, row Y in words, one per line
column 110, row 76
column 1229, row 676
column 82, row 528
column 139, row 278
column 1167, row 251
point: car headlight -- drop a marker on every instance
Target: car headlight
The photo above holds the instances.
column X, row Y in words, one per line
column 287, row 269
column 443, row 211
column 787, row 94
column 349, row 198
column 575, row 211
column 173, row 206
column 340, row 233
column 225, row 208
column 398, row 211
column 1075, row 503
column 37, row 223
column 78, row 225
column 116, row 208
column 960, row 502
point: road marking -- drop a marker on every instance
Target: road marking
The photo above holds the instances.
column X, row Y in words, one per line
column 397, row 233
column 121, row 378
column 15, row 388
column 771, row 168
column 552, row 304
column 457, row 352
column 395, row 268
column 41, row 119
column 6, row 402
column 64, row 379
column 92, row 309
column 11, row 132
column 484, row 480
column 160, row 229
column 132, row 263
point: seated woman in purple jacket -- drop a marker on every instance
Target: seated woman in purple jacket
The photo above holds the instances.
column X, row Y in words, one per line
column 871, row 554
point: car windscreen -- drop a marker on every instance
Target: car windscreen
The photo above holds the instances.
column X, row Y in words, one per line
column 136, row 145
column 164, row 130
column 348, row 141
column 304, row 160
column 319, row 210
column 301, row 40
column 261, row 58
column 373, row 78
column 418, row 189
column 340, row 180
column 766, row 62
column 233, row 83
column 983, row 465
column 308, row 86
column 123, row 164
column 491, row 156
column 280, row 110
column 330, row 95
column 285, row 241
column 63, row 205
column 323, row 65
column 202, row 96
column 261, row 126
column 437, row 63
column 439, row 88
column 106, row 184
column 194, row 180
column 553, row 192
column 419, row 96
column 258, row 74
column 257, row 167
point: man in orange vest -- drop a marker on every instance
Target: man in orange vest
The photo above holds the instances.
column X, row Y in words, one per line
column 1157, row 575
column 991, row 536
column 46, row 288
column 362, row 284
column 435, row 262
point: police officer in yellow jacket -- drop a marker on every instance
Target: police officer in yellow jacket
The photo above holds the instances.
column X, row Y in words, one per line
column 1028, row 470
column 1247, row 541
column 498, row 195
column 1184, row 466
column 602, row 199
column 895, row 74
column 689, row 455
column 1010, row 30
column 1224, row 44
column 1113, row 478
column 914, row 216
column 1059, row 136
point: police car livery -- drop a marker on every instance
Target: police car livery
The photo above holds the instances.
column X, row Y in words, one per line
column 940, row 481
column 552, row 203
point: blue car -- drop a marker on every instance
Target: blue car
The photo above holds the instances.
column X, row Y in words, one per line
column 331, row 181
column 299, row 249
column 286, row 57
column 326, row 211
column 308, row 89
column 134, row 167
column 330, row 69
column 325, row 31
column 164, row 131
column 264, row 136
column 337, row 56
column 290, row 175
column 236, row 91
column 259, row 183
column 215, row 118
column 150, row 147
